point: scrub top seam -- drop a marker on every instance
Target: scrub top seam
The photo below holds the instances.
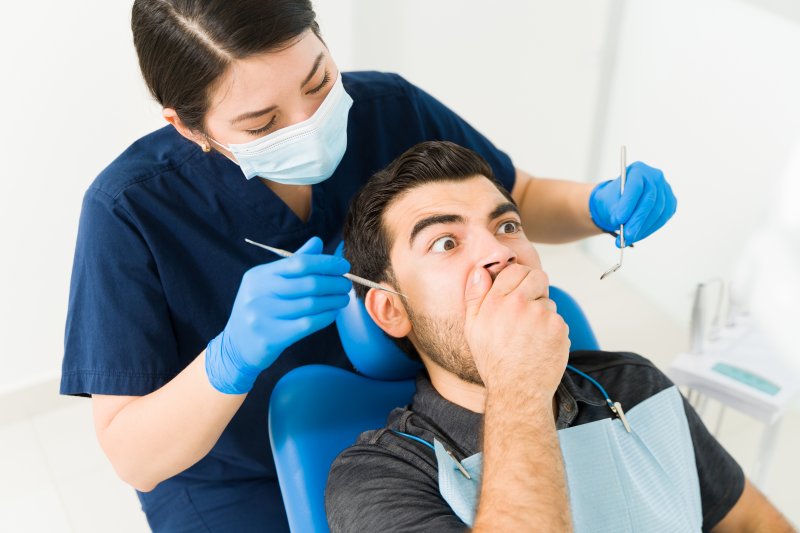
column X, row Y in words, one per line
column 400, row 90
column 146, row 245
column 89, row 371
column 171, row 168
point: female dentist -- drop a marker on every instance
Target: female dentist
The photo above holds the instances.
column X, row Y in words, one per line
column 176, row 327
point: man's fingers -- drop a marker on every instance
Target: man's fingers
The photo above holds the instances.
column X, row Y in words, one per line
column 536, row 285
column 549, row 304
column 478, row 285
column 532, row 283
column 509, row 279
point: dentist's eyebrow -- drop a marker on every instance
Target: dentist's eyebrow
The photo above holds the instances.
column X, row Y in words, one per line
column 314, row 69
column 433, row 220
column 253, row 114
column 502, row 209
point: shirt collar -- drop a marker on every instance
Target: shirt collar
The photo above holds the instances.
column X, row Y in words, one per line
column 464, row 427
column 587, row 393
column 459, row 424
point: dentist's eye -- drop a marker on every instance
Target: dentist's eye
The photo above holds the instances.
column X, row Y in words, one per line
column 507, row 228
column 263, row 129
column 323, row 83
column 443, row 244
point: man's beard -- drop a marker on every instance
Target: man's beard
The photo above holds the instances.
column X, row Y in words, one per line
column 443, row 341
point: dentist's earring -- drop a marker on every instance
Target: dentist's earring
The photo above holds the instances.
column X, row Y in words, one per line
column 205, row 146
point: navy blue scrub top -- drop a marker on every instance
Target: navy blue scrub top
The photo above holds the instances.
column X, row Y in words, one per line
column 159, row 257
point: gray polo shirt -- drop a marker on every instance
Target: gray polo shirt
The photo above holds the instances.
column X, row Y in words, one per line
column 387, row 482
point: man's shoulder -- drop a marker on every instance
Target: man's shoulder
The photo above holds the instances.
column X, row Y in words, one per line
column 626, row 376
column 387, row 446
column 380, row 465
column 598, row 359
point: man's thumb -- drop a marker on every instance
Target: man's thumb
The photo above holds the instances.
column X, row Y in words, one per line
column 478, row 284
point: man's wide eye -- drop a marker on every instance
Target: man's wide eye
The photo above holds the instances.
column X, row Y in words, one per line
column 443, row 244
column 508, row 227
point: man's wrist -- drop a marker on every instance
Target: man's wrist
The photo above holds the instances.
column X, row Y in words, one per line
column 519, row 395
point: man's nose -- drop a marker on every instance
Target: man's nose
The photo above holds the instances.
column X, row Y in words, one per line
column 495, row 256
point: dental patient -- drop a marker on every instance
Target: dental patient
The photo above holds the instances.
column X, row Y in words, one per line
column 508, row 430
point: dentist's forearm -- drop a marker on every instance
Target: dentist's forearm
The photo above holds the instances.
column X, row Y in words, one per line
column 554, row 211
column 523, row 473
column 154, row 437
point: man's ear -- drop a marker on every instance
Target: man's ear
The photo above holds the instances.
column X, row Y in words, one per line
column 388, row 312
column 172, row 117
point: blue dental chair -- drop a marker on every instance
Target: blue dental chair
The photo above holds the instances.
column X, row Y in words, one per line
column 316, row 411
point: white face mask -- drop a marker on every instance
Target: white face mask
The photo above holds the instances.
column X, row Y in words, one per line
column 304, row 153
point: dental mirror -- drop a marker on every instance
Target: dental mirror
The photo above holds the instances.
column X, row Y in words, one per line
column 623, row 176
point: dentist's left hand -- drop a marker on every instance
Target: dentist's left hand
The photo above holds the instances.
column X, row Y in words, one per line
column 278, row 304
column 647, row 204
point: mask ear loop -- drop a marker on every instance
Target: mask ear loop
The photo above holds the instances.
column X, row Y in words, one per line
column 207, row 148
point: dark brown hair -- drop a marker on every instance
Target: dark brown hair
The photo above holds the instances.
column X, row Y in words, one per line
column 184, row 46
column 366, row 241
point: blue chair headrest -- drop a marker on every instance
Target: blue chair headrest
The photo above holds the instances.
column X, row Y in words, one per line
column 372, row 352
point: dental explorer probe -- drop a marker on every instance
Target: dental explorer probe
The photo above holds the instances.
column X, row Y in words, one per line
column 348, row 275
column 623, row 174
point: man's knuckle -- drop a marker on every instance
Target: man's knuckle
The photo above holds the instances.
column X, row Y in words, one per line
column 542, row 277
column 539, row 312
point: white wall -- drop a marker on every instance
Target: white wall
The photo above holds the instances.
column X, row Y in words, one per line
column 72, row 100
column 708, row 91
column 525, row 73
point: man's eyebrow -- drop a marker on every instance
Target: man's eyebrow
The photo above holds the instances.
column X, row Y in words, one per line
column 502, row 209
column 256, row 114
column 314, row 69
column 432, row 220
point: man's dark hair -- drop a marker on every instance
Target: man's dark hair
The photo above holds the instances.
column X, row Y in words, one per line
column 184, row 46
column 366, row 239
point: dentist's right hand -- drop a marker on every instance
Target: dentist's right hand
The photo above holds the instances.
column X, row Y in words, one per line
column 278, row 304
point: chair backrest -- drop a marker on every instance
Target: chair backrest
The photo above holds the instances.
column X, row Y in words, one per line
column 317, row 411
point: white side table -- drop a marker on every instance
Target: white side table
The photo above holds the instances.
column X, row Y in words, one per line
column 742, row 371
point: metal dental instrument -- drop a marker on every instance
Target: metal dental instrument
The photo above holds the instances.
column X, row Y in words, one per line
column 348, row 275
column 623, row 175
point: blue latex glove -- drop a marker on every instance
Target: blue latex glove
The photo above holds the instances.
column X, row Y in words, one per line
column 645, row 206
column 277, row 304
